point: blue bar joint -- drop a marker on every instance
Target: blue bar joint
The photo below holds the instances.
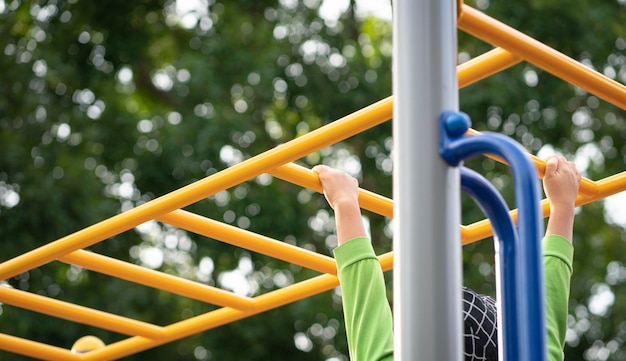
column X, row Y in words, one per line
column 521, row 300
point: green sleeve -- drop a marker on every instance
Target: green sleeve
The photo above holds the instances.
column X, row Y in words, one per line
column 558, row 253
column 368, row 318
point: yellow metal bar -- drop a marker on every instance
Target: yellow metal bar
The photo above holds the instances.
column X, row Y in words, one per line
column 386, row 261
column 165, row 206
column 339, row 130
column 35, row 349
column 605, row 187
column 306, row 178
column 588, row 188
column 217, row 318
column 470, row 20
column 155, row 279
column 297, row 148
column 494, row 32
column 226, row 315
column 589, row 191
column 485, row 65
column 249, row 240
column 80, row 314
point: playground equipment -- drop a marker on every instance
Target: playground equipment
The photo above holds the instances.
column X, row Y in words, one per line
column 518, row 260
column 87, row 344
column 512, row 48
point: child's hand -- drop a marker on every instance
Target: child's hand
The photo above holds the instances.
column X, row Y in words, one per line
column 342, row 193
column 561, row 182
column 339, row 187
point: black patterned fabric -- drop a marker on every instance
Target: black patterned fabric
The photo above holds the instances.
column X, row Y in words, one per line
column 480, row 323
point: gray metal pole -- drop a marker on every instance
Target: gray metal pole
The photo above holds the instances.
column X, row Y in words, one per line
column 427, row 250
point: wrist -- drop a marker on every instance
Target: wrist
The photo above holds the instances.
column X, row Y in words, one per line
column 562, row 209
column 561, row 222
column 346, row 203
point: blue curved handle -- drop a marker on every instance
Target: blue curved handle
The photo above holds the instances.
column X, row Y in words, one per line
column 521, row 281
column 495, row 208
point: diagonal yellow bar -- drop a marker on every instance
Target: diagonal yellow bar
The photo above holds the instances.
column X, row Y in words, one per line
column 496, row 33
column 217, row 318
column 156, row 279
column 249, row 240
column 297, row 148
column 306, row 178
column 605, row 187
column 339, row 130
column 226, row 315
column 587, row 187
column 485, row 65
column 35, row 349
column 514, row 47
column 72, row 312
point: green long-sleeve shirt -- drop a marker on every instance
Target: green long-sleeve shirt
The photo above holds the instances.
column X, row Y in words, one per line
column 368, row 315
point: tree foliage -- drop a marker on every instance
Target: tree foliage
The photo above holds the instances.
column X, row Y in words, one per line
column 107, row 106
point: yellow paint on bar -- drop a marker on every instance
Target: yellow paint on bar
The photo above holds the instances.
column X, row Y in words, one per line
column 606, row 187
column 306, row 178
column 249, row 240
column 334, row 132
column 80, row 314
column 156, row 279
column 35, row 349
column 217, row 318
column 485, row 65
column 587, row 187
column 496, row 33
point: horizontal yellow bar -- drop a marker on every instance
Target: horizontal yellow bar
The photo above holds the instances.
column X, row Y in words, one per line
column 332, row 133
column 156, row 279
column 306, row 178
column 80, row 314
column 249, row 240
column 496, row 33
column 35, row 349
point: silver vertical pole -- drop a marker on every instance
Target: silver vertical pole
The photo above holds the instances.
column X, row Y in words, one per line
column 427, row 251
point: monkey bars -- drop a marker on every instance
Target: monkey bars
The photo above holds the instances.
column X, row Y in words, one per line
column 513, row 47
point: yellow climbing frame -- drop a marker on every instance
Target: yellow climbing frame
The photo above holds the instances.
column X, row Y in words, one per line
column 512, row 47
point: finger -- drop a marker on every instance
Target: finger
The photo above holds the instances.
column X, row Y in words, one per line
column 552, row 165
column 321, row 170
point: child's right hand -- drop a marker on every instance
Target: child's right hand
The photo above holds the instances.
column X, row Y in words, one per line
column 342, row 193
column 339, row 187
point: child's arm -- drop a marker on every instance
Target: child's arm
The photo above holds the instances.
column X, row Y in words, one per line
column 368, row 318
column 560, row 182
column 342, row 193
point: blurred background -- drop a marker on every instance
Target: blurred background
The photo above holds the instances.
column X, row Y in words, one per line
column 107, row 105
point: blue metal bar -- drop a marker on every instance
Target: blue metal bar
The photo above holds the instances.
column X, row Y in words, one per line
column 505, row 241
column 525, row 260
